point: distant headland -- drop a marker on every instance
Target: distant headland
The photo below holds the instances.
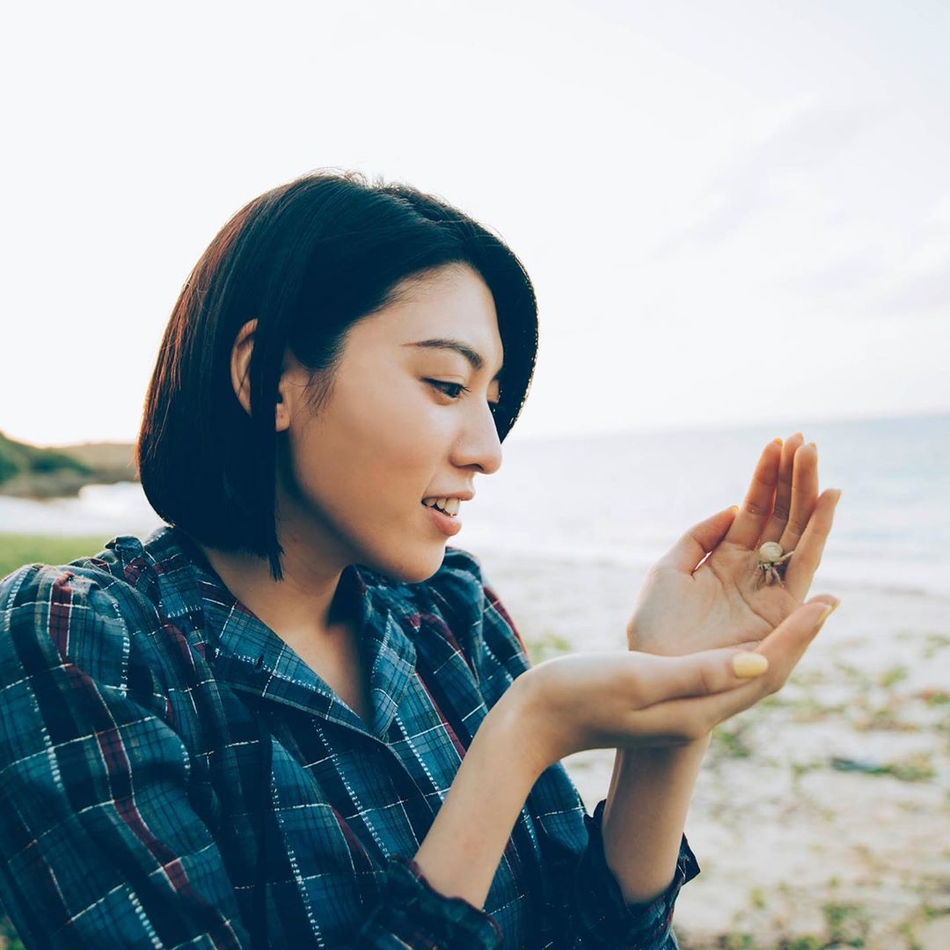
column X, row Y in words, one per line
column 29, row 471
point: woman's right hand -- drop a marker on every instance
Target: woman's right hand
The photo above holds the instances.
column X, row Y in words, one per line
column 628, row 700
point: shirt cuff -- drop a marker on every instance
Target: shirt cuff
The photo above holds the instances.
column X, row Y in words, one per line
column 609, row 920
column 413, row 914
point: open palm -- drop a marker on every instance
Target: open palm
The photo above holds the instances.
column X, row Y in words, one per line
column 709, row 592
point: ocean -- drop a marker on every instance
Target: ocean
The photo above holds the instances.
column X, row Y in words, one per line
column 624, row 498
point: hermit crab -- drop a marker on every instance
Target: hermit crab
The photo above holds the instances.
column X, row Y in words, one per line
column 771, row 564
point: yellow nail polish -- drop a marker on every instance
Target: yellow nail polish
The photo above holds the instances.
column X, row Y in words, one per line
column 777, row 442
column 734, row 509
column 747, row 665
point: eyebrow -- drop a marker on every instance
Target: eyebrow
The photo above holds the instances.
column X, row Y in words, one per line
column 476, row 360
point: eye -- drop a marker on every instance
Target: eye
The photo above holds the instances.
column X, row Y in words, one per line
column 452, row 390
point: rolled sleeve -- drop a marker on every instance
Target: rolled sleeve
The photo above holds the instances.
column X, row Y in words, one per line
column 413, row 915
column 605, row 919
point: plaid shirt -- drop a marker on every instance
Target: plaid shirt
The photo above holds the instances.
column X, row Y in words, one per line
column 174, row 775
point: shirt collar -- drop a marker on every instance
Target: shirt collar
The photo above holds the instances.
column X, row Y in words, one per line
column 252, row 659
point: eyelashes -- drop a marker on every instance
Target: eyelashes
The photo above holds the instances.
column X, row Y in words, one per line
column 452, row 390
column 455, row 391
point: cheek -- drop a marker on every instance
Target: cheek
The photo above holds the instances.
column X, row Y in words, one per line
column 379, row 437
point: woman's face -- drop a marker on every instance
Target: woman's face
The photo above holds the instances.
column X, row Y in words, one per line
column 406, row 422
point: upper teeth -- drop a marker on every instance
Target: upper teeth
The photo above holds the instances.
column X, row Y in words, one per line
column 449, row 505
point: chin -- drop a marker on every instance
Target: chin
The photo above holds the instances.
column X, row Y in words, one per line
column 409, row 568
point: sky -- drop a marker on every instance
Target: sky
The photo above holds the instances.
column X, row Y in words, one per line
column 733, row 212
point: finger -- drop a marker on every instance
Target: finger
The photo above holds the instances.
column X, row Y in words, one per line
column 783, row 493
column 759, row 500
column 784, row 646
column 698, row 712
column 803, row 564
column 664, row 678
column 804, row 495
column 699, row 541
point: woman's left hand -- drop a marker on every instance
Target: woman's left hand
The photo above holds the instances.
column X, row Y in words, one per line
column 709, row 592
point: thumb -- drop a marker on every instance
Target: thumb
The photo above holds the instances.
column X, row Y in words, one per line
column 717, row 671
column 784, row 646
column 699, row 541
column 697, row 674
column 734, row 680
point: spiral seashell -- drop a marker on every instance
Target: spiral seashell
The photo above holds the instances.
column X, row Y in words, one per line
column 771, row 551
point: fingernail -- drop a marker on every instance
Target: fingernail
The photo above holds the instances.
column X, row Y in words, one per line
column 777, row 442
column 827, row 612
column 747, row 665
column 734, row 509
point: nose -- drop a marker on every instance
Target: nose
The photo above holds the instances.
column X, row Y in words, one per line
column 478, row 445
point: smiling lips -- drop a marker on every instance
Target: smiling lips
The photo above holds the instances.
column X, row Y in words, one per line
column 448, row 506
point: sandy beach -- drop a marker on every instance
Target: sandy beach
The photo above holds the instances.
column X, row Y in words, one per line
column 822, row 816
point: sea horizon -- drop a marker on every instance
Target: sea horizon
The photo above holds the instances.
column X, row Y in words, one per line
column 625, row 497
column 782, row 427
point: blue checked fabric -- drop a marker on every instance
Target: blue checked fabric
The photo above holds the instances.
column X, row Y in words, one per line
column 173, row 775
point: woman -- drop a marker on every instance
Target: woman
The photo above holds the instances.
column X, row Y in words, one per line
column 294, row 717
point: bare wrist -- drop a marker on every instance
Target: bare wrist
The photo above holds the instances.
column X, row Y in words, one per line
column 669, row 753
column 521, row 716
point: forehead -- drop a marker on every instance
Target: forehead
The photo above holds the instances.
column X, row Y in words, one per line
column 451, row 302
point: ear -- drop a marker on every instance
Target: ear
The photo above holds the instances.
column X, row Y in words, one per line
column 282, row 409
column 240, row 375
column 241, row 363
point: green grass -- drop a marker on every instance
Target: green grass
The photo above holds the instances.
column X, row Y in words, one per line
column 547, row 645
column 848, row 924
column 19, row 549
column 730, row 740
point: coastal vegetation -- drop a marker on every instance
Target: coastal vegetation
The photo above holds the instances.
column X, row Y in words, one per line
column 30, row 471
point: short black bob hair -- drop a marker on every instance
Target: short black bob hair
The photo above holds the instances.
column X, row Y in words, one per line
column 306, row 260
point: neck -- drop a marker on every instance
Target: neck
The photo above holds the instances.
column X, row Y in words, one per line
column 300, row 606
column 308, row 610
